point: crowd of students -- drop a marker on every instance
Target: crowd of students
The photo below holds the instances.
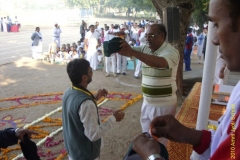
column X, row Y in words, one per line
column 132, row 32
column 68, row 52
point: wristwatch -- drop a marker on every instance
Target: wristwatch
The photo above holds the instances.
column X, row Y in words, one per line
column 155, row 157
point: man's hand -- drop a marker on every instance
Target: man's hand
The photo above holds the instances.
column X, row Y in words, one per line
column 21, row 132
column 145, row 146
column 119, row 115
column 101, row 93
column 221, row 73
column 169, row 127
column 126, row 49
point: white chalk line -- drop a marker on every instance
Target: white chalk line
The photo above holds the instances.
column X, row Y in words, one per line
column 127, row 84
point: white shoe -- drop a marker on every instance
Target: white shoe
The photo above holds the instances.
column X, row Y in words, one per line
column 114, row 74
column 107, row 75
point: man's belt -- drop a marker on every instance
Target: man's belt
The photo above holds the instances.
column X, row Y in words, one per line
column 56, row 36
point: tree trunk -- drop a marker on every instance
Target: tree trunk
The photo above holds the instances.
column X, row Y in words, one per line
column 185, row 10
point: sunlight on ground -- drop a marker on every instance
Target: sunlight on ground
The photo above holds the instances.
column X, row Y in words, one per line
column 28, row 62
column 7, row 82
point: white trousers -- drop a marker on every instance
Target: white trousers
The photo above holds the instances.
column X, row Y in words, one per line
column 200, row 54
column 121, row 63
column 148, row 113
column 57, row 40
column 137, row 72
column 112, row 58
column 92, row 57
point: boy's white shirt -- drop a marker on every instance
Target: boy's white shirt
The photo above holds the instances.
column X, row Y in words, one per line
column 89, row 117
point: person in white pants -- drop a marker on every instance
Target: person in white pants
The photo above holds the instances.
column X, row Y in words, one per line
column 122, row 60
column 108, row 35
column 121, row 64
column 56, row 34
column 112, row 59
column 142, row 40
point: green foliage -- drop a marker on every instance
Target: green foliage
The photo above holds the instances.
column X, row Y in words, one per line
column 82, row 3
column 137, row 4
column 200, row 12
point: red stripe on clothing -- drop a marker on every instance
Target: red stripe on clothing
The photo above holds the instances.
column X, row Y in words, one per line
column 205, row 142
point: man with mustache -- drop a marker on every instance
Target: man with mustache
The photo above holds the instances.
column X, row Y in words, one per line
column 159, row 70
column 224, row 143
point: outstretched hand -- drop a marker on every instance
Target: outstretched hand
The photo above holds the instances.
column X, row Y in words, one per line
column 145, row 146
column 101, row 93
column 21, row 132
column 169, row 127
column 126, row 49
column 119, row 115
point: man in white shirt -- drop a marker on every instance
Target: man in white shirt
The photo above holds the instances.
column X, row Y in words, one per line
column 82, row 127
column 122, row 60
column 56, row 34
column 108, row 35
column 98, row 28
column 92, row 42
column 224, row 142
column 4, row 24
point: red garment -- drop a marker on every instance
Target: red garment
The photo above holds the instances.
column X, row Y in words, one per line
column 228, row 149
column 205, row 142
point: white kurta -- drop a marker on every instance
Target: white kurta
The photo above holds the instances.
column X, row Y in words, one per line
column 224, row 136
column 37, row 50
column 92, row 56
column 135, row 35
column 56, row 35
column 4, row 25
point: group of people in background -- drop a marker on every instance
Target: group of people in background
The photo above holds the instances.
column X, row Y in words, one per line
column 94, row 39
column 7, row 22
column 98, row 37
column 195, row 39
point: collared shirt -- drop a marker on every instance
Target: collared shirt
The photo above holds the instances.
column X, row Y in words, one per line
column 89, row 117
column 159, row 84
column 56, row 32
column 92, row 38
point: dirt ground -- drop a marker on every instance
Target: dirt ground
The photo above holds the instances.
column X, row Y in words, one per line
column 28, row 77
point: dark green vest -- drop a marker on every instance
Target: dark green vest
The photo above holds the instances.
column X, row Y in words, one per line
column 78, row 146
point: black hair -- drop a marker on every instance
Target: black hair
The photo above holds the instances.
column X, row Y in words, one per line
column 162, row 29
column 115, row 26
column 37, row 28
column 91, row 26
column 76, row 69
column 189, row 30
column 82, row 39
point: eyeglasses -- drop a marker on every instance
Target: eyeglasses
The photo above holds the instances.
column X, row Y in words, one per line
column 151, row 35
